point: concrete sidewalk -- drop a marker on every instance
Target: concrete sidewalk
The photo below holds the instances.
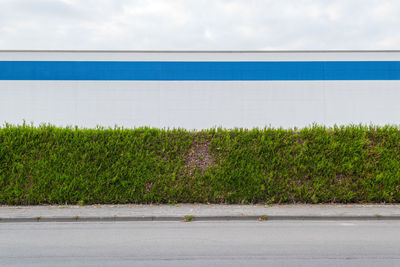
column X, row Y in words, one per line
column 199, row 212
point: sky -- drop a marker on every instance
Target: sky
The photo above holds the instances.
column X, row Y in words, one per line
column 200, row 24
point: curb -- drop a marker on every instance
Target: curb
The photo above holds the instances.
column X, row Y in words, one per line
column 200, row 218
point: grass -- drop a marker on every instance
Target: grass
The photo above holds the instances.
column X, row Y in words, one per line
column 346, row 164
column 188, row 218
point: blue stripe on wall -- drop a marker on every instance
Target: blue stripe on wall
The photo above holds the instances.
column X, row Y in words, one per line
column 200, row 71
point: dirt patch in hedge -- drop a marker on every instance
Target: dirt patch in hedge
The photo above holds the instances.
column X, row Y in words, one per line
column 199, row 158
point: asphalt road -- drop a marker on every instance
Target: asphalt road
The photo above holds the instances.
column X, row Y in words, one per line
column 269, row 243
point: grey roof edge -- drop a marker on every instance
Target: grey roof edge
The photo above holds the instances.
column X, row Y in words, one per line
column 203, row 51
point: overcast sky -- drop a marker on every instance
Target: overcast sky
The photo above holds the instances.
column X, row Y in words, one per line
column 200, row 24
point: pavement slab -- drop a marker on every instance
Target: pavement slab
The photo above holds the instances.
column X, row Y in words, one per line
column 131, row 212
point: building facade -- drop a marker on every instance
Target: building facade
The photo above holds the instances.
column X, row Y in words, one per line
column 200, row 89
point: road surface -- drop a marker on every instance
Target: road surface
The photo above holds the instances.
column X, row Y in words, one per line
column 272, row 243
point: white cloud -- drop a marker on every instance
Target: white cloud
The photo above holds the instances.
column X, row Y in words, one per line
column 199, row 24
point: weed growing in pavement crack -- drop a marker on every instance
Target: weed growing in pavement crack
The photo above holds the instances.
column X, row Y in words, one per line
column 188, row 218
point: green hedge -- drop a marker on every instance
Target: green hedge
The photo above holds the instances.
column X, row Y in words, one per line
column 53, row 165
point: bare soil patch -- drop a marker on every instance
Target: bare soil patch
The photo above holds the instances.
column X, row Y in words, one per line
column 199, row 157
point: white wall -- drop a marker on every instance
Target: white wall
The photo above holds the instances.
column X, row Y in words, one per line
column 199, row 104
column 200, row 56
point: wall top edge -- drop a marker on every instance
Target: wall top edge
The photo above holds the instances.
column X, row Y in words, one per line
column 202, row 51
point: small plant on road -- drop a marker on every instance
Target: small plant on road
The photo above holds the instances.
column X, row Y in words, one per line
column 263, row 217
column 188, row 218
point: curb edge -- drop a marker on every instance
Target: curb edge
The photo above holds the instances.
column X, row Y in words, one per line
column 198, row 218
